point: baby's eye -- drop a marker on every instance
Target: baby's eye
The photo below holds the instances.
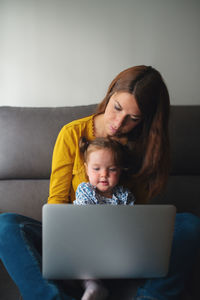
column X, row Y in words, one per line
column 113, row 169
column 96, row 169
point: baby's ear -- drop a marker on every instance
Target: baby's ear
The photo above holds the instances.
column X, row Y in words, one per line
column 86, row 168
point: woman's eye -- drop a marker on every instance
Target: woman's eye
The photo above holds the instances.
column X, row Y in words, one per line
column 117, row 107
column 134, row 120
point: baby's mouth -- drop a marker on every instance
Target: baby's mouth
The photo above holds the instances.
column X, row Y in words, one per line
column 104, row 182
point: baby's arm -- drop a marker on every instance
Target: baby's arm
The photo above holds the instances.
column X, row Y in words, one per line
column 130, row 199
column 84, row 194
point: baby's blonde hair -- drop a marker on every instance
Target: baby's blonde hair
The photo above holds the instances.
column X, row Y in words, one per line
column 117, row 149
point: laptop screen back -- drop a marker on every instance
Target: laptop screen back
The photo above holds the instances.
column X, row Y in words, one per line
column 106, row 241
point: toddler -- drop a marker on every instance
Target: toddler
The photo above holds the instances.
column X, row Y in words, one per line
column 104, row 160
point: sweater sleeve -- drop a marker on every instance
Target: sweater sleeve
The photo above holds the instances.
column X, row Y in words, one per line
column 62, row 167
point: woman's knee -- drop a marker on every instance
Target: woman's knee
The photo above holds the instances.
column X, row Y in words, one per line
column 187, row 227
column 17, row 231
column 10, row 224
column 8, row 221
column 8, row 218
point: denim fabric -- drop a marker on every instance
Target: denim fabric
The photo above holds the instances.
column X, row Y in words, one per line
column 20, row 251
column 186, row 246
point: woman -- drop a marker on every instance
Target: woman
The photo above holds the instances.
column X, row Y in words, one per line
column 135, row 111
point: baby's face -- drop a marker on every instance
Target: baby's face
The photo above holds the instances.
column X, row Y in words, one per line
column 102, row 171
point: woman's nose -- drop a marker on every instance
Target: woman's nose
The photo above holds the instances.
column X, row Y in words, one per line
column 119, row 122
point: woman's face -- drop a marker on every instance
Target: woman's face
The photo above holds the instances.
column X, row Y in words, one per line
column 122, row 114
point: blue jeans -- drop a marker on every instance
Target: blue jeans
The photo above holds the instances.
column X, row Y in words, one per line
column 20, row 251
column 185, row 248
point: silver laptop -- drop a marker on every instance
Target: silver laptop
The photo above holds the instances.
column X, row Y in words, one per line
column 106, row 241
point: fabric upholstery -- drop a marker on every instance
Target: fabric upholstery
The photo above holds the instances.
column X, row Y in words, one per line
column 27, row 138
column 185, row 140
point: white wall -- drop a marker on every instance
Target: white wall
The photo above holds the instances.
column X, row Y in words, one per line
column 66, row 52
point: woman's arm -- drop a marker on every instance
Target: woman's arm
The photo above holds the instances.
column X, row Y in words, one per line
column 62, row 167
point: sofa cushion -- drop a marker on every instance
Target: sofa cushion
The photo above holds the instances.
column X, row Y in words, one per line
column 185, row 139
column 183, row 192
column 28, row 136
column 24, row 196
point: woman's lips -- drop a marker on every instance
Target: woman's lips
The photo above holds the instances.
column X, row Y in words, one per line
column 113, row 130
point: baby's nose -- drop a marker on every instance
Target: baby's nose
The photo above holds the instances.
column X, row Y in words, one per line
column 104, row 173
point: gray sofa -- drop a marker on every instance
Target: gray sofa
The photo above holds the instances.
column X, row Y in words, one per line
column 27, row 137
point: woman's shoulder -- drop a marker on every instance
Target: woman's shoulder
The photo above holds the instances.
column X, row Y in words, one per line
column 80, row 127
column 79, row 122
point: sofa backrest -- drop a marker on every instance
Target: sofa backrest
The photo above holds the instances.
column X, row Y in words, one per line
column 184, row 181
column 185, row 140
column 28, row 136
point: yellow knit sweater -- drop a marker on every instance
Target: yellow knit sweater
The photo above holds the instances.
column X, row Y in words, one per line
column 68, row 169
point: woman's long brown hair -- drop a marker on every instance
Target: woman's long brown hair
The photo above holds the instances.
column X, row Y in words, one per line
column 148, row 141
